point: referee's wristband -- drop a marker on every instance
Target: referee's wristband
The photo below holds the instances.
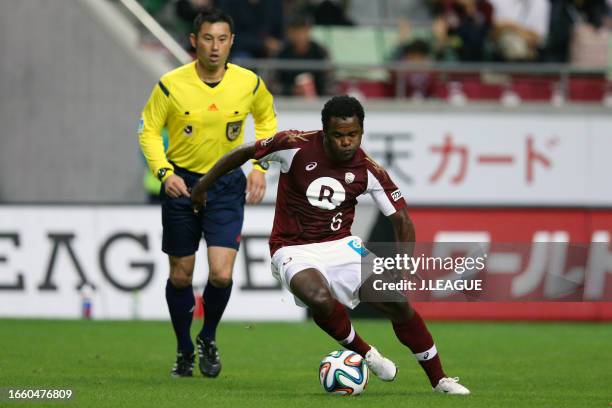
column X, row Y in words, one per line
column 164, row 173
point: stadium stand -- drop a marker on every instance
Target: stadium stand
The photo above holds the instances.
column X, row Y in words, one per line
column 361, row 56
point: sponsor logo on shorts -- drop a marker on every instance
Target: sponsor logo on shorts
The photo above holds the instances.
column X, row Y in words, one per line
column 357, row 246
column 396, row 195
column 267, row 141
column 311, row 166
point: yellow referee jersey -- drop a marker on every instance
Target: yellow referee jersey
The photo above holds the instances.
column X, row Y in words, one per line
column 203, row 122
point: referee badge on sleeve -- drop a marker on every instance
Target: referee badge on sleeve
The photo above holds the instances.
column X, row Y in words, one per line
column 141, row 126
column 232, row 131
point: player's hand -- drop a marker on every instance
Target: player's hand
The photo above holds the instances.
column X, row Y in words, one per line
column 256, row 187
column 175, row 187
column 198, row 199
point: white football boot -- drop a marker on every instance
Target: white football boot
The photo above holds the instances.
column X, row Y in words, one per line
column 448, row 385
column 384, row 368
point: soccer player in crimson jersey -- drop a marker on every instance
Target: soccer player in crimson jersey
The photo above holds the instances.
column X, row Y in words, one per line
column 314, row 254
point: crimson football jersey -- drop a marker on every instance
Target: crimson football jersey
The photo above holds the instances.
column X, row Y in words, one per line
column 316, row 197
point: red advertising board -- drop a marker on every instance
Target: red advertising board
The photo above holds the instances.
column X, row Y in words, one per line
column 576, row 226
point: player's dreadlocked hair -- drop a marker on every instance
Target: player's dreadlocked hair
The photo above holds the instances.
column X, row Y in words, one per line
column 212, row 15
column 342, row 107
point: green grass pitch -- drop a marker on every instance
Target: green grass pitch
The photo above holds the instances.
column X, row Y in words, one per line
column 126, row 364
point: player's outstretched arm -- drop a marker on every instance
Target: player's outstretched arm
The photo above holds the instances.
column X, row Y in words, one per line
column 230, row 161
column 403, row 226
column 405, row 235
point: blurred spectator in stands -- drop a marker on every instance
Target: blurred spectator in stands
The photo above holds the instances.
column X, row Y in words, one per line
column 414, row 15
column 572, row 22
column 258, row 25
column 520, row 28
column 593, row 12
column 329, row 12
column 300, row 46
column 416, row 82
column 186, row 11
column 461, row 29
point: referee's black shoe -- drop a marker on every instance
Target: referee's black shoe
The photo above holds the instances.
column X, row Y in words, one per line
column 184, row 365
column 208, row 355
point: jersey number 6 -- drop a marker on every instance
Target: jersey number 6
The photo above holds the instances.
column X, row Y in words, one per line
column 336, row 222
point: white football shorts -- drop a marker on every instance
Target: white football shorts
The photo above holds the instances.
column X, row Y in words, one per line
column 338, row 261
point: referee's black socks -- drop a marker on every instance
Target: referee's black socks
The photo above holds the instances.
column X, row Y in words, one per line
column 215, row 300
column 181, row 304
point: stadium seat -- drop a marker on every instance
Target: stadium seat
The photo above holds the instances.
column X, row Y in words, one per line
column 534, row 88
column 369, row 89
column 321, row 34
column 354, row 45
column 586, row 89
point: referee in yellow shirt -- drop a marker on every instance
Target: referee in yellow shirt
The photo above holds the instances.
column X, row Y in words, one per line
column 204, row 105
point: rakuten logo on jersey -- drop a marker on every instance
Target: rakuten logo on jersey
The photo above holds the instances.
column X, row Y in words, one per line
column 326, row 193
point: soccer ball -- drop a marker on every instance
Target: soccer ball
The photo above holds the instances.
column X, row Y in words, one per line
column 343, row 372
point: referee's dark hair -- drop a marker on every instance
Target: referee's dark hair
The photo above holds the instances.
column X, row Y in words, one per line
column 342, row 107
column 212, row 15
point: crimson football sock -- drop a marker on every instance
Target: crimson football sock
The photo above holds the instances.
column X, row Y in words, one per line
column 180, row 304
column 338, row 326
column 215, row 300
column 416, row 337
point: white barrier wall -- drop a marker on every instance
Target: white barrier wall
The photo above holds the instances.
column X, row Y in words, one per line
column 47, row 253
column 498, row 158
